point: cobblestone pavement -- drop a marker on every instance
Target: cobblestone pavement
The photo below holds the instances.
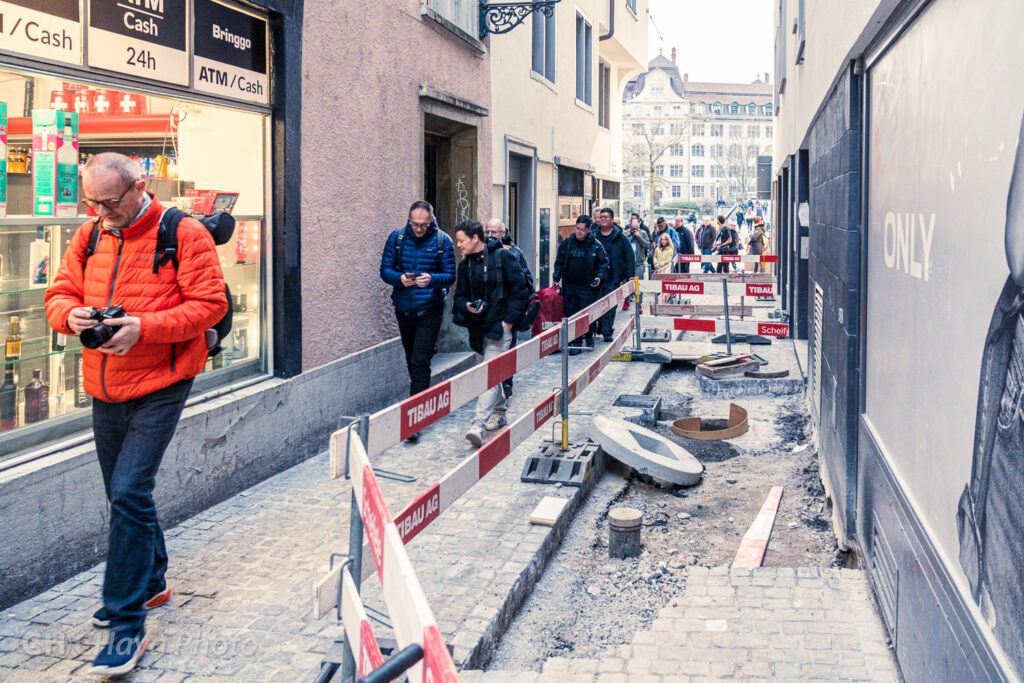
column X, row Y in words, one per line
column 243, row 570
column 779, row 624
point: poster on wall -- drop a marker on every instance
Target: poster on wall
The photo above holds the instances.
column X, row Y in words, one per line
column 143, row 38
column 944, row 365
column 49, row 29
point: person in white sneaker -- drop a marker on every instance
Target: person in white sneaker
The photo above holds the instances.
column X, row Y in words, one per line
column 490, row 299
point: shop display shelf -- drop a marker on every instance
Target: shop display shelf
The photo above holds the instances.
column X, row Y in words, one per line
column 37, row 356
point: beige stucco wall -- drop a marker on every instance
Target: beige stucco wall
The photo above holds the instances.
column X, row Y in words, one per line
column 362, row 156
column 547, row 116
column 835, row 33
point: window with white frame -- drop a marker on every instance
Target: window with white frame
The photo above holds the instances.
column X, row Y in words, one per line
column 734, row 108
column 659, row 171
column 676, row 129
column 752, row 109
column 768, row 108
column 753, row 131
column 677, row 191
column 702, row 108
column 638, row 191
column 717, row 150
column 697, row 170
column 461, row 13
column 544, row 45
column 768, row 131
column 584, row 60
column 716, row 130
column 697, row 150
column 676, row 150
column 696, row 191
column 712, row 171
column 735, row 131
column 631, row 6
column 698, row 129
column 675, row 171
column 657, row 91
column 604, row 98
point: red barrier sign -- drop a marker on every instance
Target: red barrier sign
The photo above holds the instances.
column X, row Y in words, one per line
column 694, row 324
column 543, row 412
column 730, row 258
column 689, row 258
column 760, row 290
column 375, row 512
column 549, row 342
column 419, row 514
column 425, row 407
column 773, row 329
column 437, row 664
column 370, row 657
column 668, row 287
column 580, row 327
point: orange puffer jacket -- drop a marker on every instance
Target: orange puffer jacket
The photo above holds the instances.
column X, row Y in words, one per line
column 175, row 307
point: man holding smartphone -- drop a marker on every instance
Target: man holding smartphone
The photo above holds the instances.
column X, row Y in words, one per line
column 419, row 263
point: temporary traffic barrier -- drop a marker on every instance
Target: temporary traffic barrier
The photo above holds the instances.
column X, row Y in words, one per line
column 765, row 329
column 414, row 624
column 401, row 420
column 699, row 288
column 727, row 258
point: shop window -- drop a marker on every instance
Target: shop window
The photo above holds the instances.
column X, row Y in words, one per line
column 544, row 45
column 584, row 60
column 198, row 157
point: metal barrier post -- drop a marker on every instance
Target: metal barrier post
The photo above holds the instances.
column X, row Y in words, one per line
column 728, row 332
column 355, row 555
column 636, row 314
column 564, row 342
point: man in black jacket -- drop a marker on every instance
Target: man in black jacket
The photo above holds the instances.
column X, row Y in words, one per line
column 685, row 245
column 621, row 263
column 581, row 266
column 490, row 298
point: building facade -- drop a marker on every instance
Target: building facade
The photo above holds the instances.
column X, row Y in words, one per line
column 692, row 142
column 319, row 143
column 556, row 131
column 901, row 241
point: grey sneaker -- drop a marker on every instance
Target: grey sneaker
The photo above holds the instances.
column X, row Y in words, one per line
column 475, row 435
column 495, row 423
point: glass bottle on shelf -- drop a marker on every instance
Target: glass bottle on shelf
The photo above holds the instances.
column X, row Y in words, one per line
column 37, row 399
column 12, row 349
column 8, row 400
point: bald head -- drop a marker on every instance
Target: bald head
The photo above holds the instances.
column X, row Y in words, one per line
column 495, row 228
column 111, row 184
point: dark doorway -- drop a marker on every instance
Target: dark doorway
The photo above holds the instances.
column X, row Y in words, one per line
column 520, row 206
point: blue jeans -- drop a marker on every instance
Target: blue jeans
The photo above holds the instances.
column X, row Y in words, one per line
column 130, row 441
column 707, row 267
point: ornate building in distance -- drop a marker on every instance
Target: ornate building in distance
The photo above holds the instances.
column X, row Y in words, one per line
column 692, row 142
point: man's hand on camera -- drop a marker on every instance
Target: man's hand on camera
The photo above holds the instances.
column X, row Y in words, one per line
column 125, row 337
column 423, row 280
column 79, row 320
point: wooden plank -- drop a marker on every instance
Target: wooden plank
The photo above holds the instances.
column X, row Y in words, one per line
column 755, row 542
column 547, row 511
column 325, row 593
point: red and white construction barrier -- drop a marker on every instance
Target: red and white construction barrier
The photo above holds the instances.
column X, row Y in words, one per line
column 691, row 288
column 727, row 258
column 411, row 617
column 401, row 420
column 765, row 329
column 438, row 497
column 740, row 277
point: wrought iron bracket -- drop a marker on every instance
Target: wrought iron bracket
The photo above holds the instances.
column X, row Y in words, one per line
column 502, row 17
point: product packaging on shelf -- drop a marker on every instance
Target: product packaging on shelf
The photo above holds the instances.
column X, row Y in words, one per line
column 55, row 163
column 3, row 159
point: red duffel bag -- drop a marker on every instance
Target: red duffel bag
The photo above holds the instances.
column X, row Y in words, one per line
column 552, row 308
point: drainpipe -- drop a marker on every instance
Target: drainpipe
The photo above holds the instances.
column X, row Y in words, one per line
column 611, row 20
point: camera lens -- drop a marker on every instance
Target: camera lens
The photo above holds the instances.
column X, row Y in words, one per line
column 95, row 337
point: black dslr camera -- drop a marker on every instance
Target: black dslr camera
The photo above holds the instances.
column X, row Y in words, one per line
column 97, row 336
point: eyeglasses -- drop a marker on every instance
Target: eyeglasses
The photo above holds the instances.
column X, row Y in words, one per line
column 108, row 203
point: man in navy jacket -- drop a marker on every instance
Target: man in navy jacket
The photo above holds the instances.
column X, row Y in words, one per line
column 419, row 262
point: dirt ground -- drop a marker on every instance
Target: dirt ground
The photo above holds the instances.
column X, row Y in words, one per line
column 587, row 602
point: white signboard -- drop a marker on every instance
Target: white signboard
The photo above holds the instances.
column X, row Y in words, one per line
column 142, row 38
column 49, row 29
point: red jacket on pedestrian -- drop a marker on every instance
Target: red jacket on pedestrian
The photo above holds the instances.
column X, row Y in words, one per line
column 175, row 306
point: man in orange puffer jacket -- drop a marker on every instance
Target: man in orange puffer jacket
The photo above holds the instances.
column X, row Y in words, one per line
column 139, row 379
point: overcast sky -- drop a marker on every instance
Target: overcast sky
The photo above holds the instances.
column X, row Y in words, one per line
column 717, row 40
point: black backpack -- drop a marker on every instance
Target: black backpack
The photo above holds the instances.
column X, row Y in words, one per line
column 533, row 306
column 221, row 226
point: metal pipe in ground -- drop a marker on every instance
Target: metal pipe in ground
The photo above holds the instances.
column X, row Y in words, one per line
column 564, row 401
column 728, row 332
column 624, row 525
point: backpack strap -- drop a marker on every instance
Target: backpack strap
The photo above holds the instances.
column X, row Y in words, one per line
column 399, row 237
column 167, row 239
column 94, row 239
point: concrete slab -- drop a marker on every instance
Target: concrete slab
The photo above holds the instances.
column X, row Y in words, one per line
column 780, row 355
column 647, row 452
